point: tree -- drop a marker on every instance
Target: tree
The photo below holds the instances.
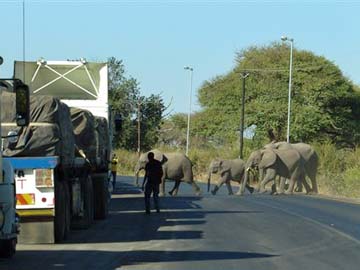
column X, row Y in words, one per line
column 325, row 104
column 173, row 130
column 125, row 100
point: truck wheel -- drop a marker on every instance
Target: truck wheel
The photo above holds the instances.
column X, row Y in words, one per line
column 90, row 193
column 87, row 219
column 101, row 196
column 67, row 210
column 8, row 248
column 60, row 212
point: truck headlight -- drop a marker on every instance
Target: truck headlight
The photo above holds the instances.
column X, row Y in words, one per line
column 2, row 218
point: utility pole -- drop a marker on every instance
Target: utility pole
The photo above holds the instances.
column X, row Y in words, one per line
column 243, row 75
column 138, row 127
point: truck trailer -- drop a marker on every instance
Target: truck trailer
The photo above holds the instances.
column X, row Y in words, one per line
column 61, row 160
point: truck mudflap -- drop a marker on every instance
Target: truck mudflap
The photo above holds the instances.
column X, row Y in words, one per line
column 37, row 226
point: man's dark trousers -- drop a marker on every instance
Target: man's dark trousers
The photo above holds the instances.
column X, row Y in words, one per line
column 151, row 188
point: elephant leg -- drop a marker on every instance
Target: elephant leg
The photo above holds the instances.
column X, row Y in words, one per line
column 228, row 185
column 195, row 187
column 216, row 188
column 261, row 176
column 303, row 182
column 307, row 187
column 314, row 188
column 282, row 185
column 269, row 176
column 162, row 187
column 292, row 182
column 249, row 188
column 275, row 185
column 299, row 185
column 175, row 189
column 273, row 189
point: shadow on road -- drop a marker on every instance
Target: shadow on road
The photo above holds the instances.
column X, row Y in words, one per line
column 75, row 259
column 128, row 223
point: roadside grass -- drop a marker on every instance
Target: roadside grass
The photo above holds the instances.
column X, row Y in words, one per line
column 338, row 173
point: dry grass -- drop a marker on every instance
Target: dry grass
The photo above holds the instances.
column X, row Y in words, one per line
column 338, row 175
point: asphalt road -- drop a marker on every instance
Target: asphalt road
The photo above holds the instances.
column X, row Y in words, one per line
column 208, row 232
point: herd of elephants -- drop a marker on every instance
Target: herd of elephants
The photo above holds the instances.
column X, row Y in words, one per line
column 287, row 163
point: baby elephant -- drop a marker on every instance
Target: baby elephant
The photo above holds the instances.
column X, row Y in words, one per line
column 229, row 170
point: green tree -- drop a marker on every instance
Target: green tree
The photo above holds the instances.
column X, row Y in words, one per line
column 173, row 130
column 125, row 100
column 324, row 105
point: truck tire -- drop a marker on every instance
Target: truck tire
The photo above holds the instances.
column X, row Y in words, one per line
column 101, row 196
column 60, row 212
column 8, row 248
column 67, row 211
column 87, row 219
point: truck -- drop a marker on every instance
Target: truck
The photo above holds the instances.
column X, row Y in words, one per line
column 69, row 189
column 9, row 221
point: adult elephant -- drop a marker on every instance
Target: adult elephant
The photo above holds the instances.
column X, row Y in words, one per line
column 272, row 162
column 229, row 170
column 176, row 166
column 310, row 160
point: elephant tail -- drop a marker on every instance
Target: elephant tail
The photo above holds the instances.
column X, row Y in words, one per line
column 208, row 182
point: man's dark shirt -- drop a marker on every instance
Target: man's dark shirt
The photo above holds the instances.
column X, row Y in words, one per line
column 154, row 172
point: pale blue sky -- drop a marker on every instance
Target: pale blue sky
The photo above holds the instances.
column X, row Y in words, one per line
column 156, row 39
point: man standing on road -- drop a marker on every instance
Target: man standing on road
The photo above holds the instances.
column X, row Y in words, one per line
column 153, row 175
column 114, row 163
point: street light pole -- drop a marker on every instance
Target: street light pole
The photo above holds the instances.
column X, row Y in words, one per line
column 243, row 75
column 291, row 41
column 189, row 113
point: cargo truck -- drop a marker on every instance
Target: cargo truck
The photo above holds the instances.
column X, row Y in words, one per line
column 61, row 160
column 9, row 221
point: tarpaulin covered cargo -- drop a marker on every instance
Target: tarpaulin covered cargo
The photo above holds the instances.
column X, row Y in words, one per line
column 85, row 135
column 102, row 141
column 50, row 132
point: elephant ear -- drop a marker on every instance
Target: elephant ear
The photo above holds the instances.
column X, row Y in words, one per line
column 268, row 158
column 224, row 166
column 158, row 155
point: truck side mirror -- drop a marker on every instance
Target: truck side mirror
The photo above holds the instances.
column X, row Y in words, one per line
column 22, row 103
column 118, row 122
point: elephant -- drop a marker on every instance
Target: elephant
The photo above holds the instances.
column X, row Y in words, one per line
column 176, row 166
column 229, row 170
column 272, row 162
column 310, row 160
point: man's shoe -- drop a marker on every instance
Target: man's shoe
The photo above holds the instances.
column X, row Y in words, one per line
column 147, row 212
column 158, row 210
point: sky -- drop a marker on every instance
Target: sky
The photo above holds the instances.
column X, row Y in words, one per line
column 156, row 39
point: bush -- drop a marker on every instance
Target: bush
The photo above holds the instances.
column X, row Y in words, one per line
column 339, row 169
column 127, row 161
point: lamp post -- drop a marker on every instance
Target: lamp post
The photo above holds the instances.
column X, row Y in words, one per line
column 189, row 113
column 291, row 41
